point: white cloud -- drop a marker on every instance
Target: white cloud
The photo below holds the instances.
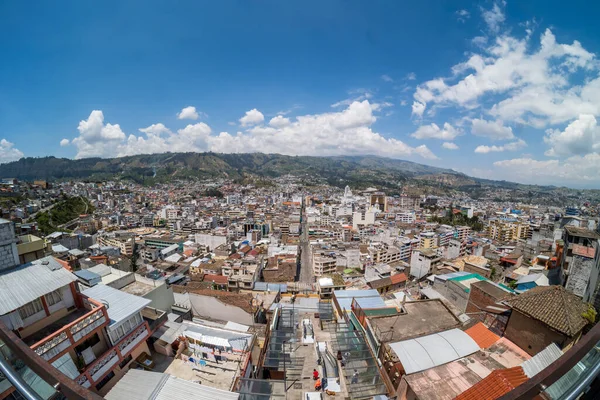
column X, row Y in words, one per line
column 462, row 15
column 536, row 84
column 95, row 138
column 8, row 152
column 494, row 130
column 573, row 171
column 279, row 122
column 418, row 108
column 513, row 146
column 252, row 117
column 403, row 103
column 364, row 95
column 188, row 113
column 433, row 131
column 580, row 137
column 494, row 17
column 411, row 76
column 334, row 133
column 64, row 142
column 387, row 78
column 155, row 129
column 450, row 146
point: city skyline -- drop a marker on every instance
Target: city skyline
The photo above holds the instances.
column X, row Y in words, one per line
column 491, row 89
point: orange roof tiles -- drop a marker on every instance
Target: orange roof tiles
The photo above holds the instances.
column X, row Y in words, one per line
column 219, row 279
column 482, row 335
column 398, row 278
column 495, row 385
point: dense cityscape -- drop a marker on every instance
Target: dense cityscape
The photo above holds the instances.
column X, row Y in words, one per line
column 287, row 290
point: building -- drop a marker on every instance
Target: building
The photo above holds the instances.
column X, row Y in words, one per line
column 507, row 230
column 147, row 385
column 545, row 315
column 124, row 244
column 427, row 240
column 31, row 247
column 328, row 284
column 423, row 261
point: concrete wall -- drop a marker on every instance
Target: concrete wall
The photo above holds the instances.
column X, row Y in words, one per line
column 478, row 300
column 531, row 335
column 206, row 306
column 211, row 241
column 161, row 297
column 456, row 295
column 9, row 255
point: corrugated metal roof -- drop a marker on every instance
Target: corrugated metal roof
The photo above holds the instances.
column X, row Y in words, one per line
column 452, row 275
column 100, row 269
column 341, row 294
column 271, row 287
column 227, row 338
column 87, row 275
column 541, row 360
column 27, row 282
column 121, row 305
column 371, row 302
column 430, row 351
column 169, row 249
column 177, row 389
column 59, row 248
column 138, row 385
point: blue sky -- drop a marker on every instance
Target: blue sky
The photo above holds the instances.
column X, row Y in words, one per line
column 502, row 90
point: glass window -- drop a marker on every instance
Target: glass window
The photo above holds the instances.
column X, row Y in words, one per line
column 30, row 309
column 54, row 297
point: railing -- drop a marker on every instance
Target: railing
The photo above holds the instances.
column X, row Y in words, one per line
column 71, row 334
column 561, row 367
column 43, row 369
column 105, row 363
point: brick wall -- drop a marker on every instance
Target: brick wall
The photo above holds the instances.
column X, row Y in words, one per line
column 478, row 299
column 532, row 335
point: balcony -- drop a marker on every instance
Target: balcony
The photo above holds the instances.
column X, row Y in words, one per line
column 105, row 363
column 69, row 331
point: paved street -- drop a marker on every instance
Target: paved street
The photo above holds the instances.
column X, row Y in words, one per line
column 306, row 273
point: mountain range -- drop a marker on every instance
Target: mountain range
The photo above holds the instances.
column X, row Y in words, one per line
column 356, row 171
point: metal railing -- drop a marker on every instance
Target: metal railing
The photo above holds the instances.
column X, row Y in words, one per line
column 550, row 375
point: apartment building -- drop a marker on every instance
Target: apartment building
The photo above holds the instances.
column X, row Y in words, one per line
column 31, row 247
column 427, row 240
column 324, row 263
column 507, row 230
column 124, row 244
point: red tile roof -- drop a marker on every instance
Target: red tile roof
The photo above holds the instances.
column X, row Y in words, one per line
column 218, row 279
column 482, row 335
column 495, row 385
column 398, row 278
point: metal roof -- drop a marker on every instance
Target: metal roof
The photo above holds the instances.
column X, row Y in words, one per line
column 452, row 275
column 340, row 294
column 541, row 360
column 100, row 269
column 169, row 249
column 371, row 302
column 271, row 287
column 76, row 252
column 27, row 282
column 87, row 275
column 121, row 305
column 218, row 337
column 146, row 385
column 430, row 351
column 59, row 248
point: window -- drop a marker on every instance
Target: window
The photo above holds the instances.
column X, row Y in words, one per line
column 30, row 309
column 104, row 381
column 92, row 341
column 54, row 297
column 125, row 361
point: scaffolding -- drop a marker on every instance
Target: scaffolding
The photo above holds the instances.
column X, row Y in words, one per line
column 360, row 368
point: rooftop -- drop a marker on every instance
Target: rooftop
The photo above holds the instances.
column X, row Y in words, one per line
column 492, row 289
column 27, row 282
column 496, row 384
column 430, row 351
column 584, row 251
column 581, row 232
column 421, row 318
column 121, row 305
column 145, row 385
column 482, row 335
column 554, row 306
